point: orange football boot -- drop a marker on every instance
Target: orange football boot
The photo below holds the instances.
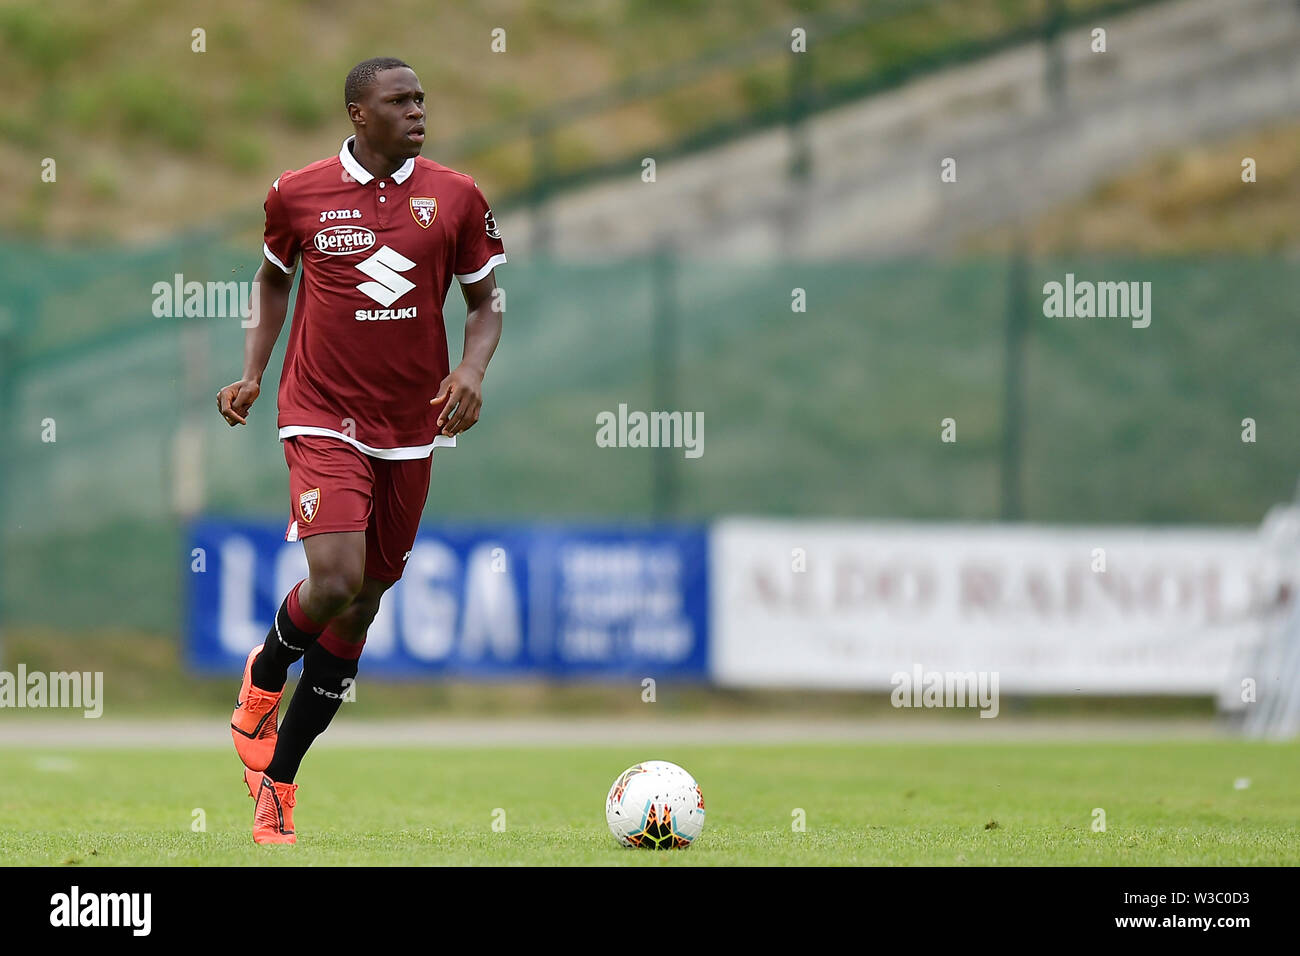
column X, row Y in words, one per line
column 252, row 726
column 273, row 816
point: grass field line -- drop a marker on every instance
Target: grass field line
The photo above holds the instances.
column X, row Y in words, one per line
column 107, row 732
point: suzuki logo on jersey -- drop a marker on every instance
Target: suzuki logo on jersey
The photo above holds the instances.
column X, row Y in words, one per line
column 382, row 315
column 384, row 267
column 344, row 240
column 425, row 210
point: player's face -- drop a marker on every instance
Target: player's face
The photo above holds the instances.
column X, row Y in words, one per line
column 393, row 109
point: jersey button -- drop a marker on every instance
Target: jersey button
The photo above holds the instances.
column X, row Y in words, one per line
column 382, row 185
column 383, row 198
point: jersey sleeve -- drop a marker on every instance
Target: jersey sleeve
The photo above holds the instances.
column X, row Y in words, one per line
column 280, row 244
column 478, row 244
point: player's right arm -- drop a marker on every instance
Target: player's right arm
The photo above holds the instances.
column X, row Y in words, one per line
column 270, row 302
column 271, row 289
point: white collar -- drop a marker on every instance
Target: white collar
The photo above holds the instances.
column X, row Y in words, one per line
column 361, row 174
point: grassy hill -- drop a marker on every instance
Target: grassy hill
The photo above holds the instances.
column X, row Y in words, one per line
column 151, row 138
column 1191, row 201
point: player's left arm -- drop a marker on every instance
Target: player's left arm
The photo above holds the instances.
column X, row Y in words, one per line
column 463, row 388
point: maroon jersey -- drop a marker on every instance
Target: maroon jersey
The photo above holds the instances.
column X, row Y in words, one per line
column 368, row 350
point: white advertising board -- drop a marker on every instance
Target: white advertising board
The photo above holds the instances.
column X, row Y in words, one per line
column 1095, row 610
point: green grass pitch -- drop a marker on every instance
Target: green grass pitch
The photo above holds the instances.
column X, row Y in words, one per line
column 1169, row 803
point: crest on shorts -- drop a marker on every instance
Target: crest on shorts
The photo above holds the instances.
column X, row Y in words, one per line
column 425, row 210
column 309, row 504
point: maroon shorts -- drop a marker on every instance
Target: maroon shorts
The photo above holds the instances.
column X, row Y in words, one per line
column 335, row 487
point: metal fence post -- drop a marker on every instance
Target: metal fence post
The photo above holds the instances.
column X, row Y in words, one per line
column 1054, row 52
column 1013, row 386
column 664, row 395
column 540, row 188
column 797, row 108
column 9, row 345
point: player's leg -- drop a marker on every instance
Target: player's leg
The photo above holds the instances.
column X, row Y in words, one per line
column 398, row 492
column 335, row 568
column 330, row 664
column 350, row 625
column 331, row 487
column 328, row 669
column 335, row 562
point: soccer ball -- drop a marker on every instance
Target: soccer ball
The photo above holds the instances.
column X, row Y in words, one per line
column 655, row 805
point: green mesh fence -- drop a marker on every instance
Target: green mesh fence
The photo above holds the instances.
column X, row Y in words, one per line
column 830, row 412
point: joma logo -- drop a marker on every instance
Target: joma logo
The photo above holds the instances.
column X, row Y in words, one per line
column 348, row 693
column 340, row 214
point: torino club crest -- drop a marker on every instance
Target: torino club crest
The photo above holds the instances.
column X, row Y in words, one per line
column 309, row 504
column 425, row 210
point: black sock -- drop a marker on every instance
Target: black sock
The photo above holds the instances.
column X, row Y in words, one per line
column 285, row 643
column 316, row 699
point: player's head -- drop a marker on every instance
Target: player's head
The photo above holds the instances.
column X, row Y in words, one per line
column 386, row 105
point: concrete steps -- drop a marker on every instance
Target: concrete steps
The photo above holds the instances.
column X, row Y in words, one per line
column 1173, row 75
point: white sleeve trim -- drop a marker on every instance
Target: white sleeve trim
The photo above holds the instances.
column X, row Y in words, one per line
column 271, row 255
column 498, row 260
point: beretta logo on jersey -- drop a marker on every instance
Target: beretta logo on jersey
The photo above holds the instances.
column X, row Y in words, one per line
column 344, row 240
column 309, row 504
column 425, row 210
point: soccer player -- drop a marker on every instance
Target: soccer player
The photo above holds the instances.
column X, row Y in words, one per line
column 365, row 397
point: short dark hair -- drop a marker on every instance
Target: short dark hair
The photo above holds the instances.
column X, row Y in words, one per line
column 362, row 76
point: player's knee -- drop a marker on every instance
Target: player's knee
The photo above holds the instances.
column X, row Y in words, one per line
column 366, row 611
column 362, row 611
column 336, row 588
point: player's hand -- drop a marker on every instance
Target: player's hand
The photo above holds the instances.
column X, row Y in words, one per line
column 235, row 400
column 462, row 391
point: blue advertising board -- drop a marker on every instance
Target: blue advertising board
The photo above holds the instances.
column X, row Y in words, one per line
column 487, row 602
